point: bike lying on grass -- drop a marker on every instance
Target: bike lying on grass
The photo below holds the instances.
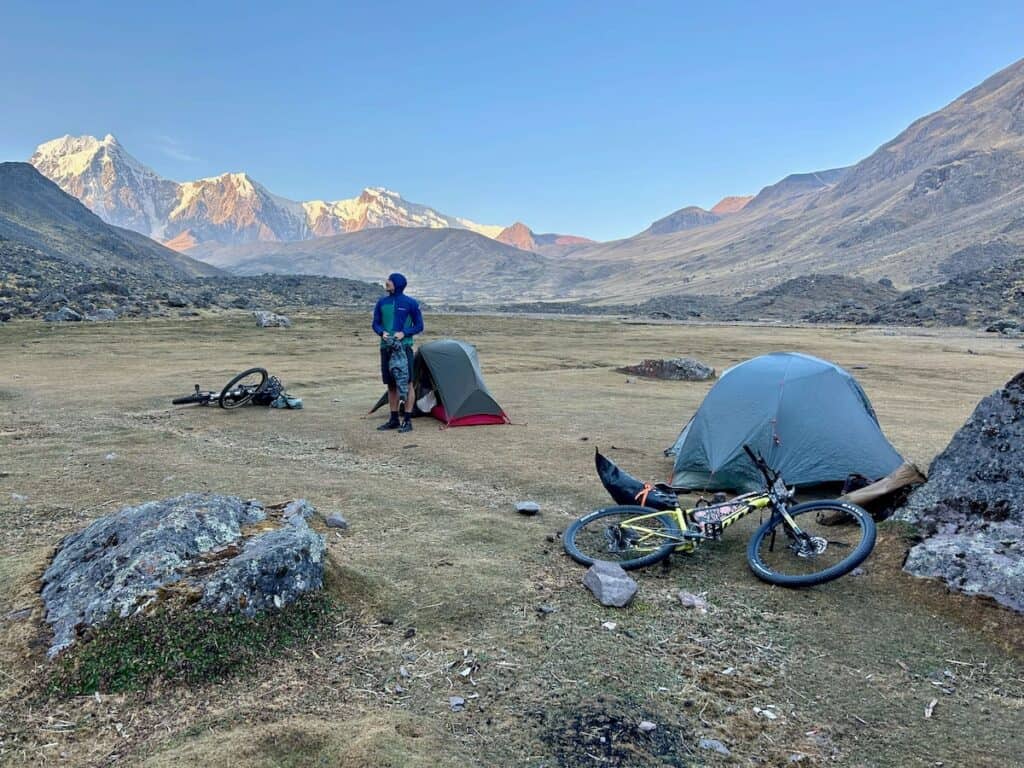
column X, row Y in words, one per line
column 238, row 392
column 791, row 548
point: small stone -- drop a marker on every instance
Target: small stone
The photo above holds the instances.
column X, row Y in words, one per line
column 858, row 571
column 715, row 745
column 646, row 726
column 339, row 659
column 336, row 520
column 403, row 672
column 399, row 688
column 110, row 456
column 796, row 757
column 528, row 507
column 456, row 703
column 767, row 714
column 610, row 584
column 695, row 602
column 609, row 625
column 19, row 498
column 546, row 609
column 410, row 633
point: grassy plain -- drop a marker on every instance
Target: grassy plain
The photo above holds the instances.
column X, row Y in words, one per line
column 440, row 581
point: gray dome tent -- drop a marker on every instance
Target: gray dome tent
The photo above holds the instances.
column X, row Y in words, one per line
column 451, row 370
column 808, row 417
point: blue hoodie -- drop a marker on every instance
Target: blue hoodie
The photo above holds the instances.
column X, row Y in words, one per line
column 398, row 312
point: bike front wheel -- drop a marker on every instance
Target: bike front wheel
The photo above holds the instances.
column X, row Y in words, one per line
column 606, row 534
column 240, row 390
column 822, row 553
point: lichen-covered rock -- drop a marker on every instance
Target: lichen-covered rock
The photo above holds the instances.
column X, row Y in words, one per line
column 676, row 369
column 970, row 512
column 203, row 546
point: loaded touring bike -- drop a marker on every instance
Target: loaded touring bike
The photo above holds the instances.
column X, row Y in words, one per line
column 238, row 392
column 791, row 548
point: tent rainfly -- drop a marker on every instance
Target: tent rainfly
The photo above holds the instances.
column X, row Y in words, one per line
column 808, row 417
column 451, row 387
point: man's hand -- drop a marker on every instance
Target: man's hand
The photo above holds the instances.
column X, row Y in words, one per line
column 385, row 335
column 400, row 335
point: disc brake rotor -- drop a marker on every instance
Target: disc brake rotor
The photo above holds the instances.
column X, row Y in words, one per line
column 811, row 547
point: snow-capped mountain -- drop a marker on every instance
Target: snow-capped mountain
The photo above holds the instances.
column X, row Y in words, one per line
column 378, row 207
column 230, row 208
column 110, row 182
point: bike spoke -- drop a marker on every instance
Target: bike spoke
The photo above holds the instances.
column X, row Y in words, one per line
column 608, row 539
column 818, row 548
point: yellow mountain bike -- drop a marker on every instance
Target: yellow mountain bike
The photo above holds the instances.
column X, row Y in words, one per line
column 792, row 547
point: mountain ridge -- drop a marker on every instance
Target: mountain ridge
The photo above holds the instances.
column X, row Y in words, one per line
column 440, row 263
column 949, row 185
column 228, row 208
column 36, row 213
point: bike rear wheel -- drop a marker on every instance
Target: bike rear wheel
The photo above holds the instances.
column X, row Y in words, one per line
column 600, row 535
column 825, row 552
column 240, row 390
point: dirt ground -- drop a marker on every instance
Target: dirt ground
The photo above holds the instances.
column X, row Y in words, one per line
column 440, row 582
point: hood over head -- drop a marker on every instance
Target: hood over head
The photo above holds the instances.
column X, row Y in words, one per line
column 399, row 281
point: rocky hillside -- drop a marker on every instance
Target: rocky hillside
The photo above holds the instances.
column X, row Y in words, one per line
column 980, row 298
column 56, row 255
column 945, row 193
column 36, row 214
column 35, row 285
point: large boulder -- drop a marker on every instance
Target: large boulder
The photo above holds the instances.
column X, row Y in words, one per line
column 266, row 319
column 675, row 369
column 63, row 315
column 219, row 553
column 970, row 513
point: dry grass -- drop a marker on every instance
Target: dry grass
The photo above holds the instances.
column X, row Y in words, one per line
column 438, row 575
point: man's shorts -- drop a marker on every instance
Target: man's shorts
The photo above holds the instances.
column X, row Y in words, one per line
column 385, row 372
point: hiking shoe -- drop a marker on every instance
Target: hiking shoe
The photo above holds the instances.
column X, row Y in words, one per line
column 406, row 426
column 390, row 424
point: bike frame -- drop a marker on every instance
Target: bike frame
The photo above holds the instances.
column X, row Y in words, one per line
column 689, row 525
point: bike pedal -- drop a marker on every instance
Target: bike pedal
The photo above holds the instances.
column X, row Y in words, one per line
column 714, row 529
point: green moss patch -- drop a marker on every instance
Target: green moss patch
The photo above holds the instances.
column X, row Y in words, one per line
column 187, row 647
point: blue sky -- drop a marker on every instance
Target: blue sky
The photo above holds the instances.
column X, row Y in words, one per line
column 590, row 118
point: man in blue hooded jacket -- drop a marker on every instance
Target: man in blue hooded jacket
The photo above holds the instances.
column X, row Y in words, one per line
column 397, row 316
